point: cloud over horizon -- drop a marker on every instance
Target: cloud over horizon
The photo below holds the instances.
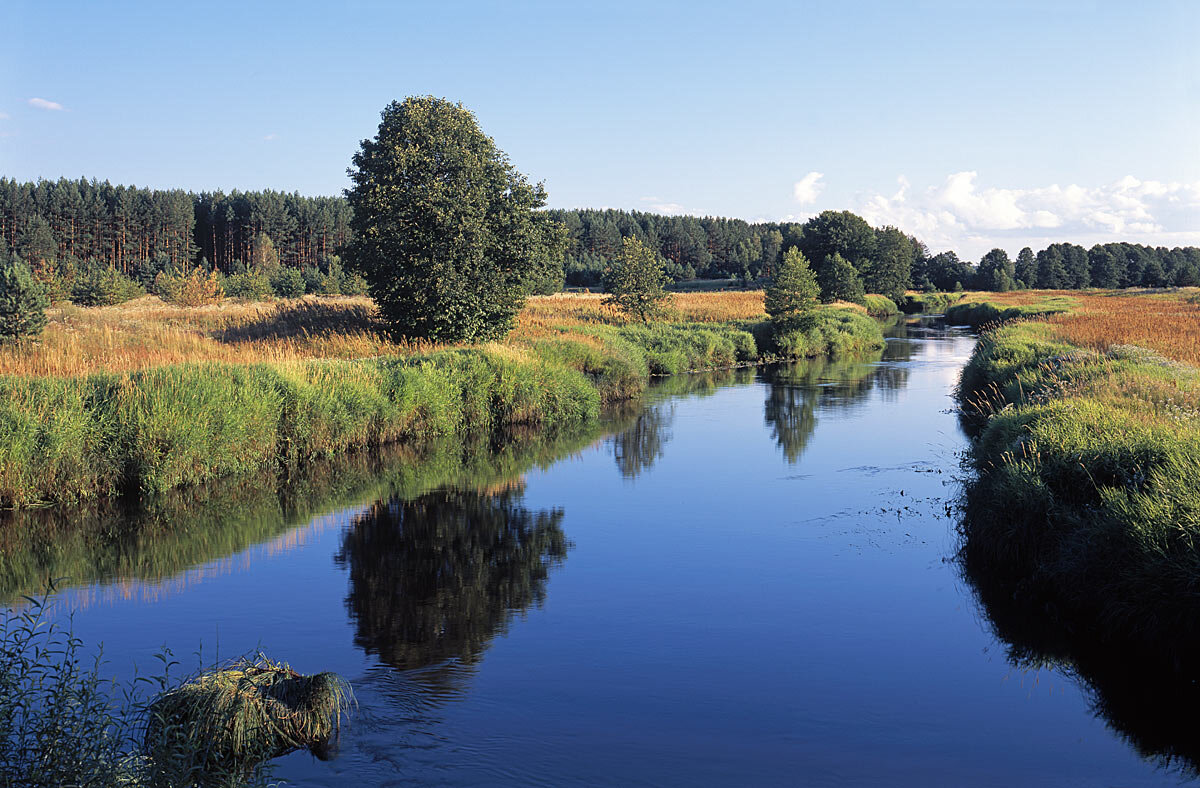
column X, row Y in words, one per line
column 656, row 205
column 961, row 215
column 809, row 188
column 41, row 103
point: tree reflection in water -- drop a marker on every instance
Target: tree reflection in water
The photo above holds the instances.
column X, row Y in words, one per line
column 434, row 578
column 798, row 391
column 638, row 447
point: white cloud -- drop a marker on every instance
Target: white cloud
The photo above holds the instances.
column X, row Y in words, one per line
column 3, row 116
column 655, row 205
column 41, row 103
column 959, row 214
column 807, row 189
column 271, row 136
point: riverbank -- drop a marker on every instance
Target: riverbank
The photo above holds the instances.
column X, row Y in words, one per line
column 1086, row 503
column 148, row 430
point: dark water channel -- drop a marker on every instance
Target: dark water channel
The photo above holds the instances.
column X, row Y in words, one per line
column 747, row 580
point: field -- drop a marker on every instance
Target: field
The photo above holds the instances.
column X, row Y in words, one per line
column 1165, row 321
column 147, row 332
column 145, row 397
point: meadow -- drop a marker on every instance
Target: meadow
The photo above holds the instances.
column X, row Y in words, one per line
column 1087, row 499
column 144, row 397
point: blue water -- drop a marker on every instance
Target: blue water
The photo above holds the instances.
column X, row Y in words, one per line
column 751, row 585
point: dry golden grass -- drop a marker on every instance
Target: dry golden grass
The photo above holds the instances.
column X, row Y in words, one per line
column 147, row 332
column 563, row 310
column 1167, row 323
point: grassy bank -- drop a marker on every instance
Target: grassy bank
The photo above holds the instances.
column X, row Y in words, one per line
column 929, row 303
column 985, row 311
column 66, row 437
column 1087, row 500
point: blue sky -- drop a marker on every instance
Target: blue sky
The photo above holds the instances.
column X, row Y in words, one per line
column 969, row 124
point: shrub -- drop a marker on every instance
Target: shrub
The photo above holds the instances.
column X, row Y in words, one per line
column 57, row 279
column 194, row 289
column 880, row 306
column 354, row 285
column 249, row 286
column 104, row 287
column 23, row 301
column 317, row 282
column 288, row 283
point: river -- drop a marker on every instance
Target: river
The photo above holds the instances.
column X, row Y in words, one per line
column 748, row 579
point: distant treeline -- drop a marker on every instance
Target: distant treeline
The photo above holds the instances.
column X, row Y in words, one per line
column 127, row 227
column 140, row 231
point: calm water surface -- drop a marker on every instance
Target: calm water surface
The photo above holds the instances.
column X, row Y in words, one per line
column 748, row 583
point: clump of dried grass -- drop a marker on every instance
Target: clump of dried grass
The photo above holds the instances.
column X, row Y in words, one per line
column 235, row 717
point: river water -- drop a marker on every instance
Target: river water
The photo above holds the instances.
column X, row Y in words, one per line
column 749, row 579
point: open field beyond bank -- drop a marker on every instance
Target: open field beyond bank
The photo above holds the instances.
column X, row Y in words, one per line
column 143, row 397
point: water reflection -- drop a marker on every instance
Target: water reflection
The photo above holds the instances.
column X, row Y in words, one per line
column 433, row 579
column 160, row 547
column 1147, row 697
column 799, row 391
column 636, row 448
column 643, row 429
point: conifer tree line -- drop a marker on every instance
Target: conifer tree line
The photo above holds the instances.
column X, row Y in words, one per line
column 128, row 228
column 140, row 231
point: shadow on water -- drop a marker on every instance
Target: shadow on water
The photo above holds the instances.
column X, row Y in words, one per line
column 1148, row 698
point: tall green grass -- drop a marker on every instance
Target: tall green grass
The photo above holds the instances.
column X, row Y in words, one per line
column 828, row 332
column 880, row 305
column 150, row 431
column 146, row 432
column 929, row 303
column 1087, row 494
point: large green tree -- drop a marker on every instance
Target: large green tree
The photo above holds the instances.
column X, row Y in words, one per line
column 889, row 271
column 996, row 272
column 839, row 281
column 446, row 231
column 838, row 232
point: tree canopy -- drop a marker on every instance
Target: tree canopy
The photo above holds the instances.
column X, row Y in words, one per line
column 445, row 229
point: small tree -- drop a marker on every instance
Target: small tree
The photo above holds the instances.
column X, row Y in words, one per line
column 792, row 292
column 23, row 302
column 839, row 281
column 636, row 281
column 264, row 258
